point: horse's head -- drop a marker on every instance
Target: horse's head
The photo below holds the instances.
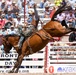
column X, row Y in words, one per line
column 6, row 44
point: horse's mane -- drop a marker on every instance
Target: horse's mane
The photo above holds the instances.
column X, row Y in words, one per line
column 9, row 35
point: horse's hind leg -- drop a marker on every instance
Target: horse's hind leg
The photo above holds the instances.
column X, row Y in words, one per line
column 19, row 63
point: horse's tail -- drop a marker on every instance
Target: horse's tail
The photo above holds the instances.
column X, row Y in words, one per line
column 61, row 9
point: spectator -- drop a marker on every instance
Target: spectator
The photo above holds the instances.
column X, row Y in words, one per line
column 0, row 3
column 9, row 22
column 30, row 17
column 42, row 4
column 47, row 11
column 3, row 5
column 70, row 18
column 63, row 2
column 61, row 18
column 8, row 3
column 52, row 12
column 75, row 12
column 3, row 16
column 15, row 9
column 19, row 4
column 57, row 3
column 47, row 3
column 31, row 3
column 12, row 30
column 1, row 12
column 3, row 31
column 18, row 21
column 10, row 14
column 2, row 21
column 6, row 10
column 72, row 36
column 75, row 16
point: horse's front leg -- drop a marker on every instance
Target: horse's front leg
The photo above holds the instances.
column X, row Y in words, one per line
column 19, row 62
column 15, row 66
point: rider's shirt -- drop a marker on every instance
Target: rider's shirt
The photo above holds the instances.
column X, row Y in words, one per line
column 29, row 30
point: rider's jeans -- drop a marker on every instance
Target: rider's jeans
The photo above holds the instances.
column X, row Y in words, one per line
column 20, row 41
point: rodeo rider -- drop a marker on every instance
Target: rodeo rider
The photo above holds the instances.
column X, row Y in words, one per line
column 30, row 28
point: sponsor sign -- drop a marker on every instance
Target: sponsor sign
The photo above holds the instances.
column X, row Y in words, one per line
column 66, row 69
column 51, row 69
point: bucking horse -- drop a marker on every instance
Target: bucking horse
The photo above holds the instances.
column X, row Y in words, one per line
column 36, row 41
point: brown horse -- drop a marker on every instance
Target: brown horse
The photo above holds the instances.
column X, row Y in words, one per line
column 35, row 42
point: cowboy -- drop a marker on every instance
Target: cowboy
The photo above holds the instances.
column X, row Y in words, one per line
column 29, row 29
column 3, row 31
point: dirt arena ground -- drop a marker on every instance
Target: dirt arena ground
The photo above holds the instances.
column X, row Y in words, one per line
column 36, row 74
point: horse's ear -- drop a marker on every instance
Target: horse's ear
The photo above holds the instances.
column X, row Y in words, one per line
column 3, row 39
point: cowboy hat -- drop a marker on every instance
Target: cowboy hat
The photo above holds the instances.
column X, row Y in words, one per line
column 14, row 2
column 31, row 12
column 3, row 1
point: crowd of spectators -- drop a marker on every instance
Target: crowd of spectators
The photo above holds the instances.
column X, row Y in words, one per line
column 10, row 13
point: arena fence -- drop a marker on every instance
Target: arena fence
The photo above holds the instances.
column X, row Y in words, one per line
column 57, row 57
column 61, row 56
column 31, row 64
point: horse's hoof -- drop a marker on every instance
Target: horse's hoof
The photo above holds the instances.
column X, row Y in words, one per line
column 15, row 72
column 11, row 72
